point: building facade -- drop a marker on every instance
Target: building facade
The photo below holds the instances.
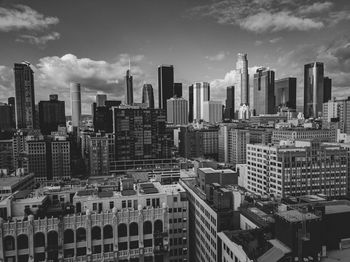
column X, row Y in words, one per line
column 201, row 93
column 264, row 92
column 212, row 111
column 313, row 89
column 177, row 111
column 147, row 95
column 286, row 93
column 51, row 115
column 165, row 84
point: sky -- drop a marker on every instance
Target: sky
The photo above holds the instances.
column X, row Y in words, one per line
column 91, row 42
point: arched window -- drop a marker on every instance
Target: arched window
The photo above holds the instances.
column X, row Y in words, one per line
column 52, row 240
column 68, row 236
column 96, row 233
column 81, row 234
column 133, row 229
column 22, row 242
column 158, row 226
column 107, row 232
column 122, row 230
column 39, row 239
column 9, row 243
column 147, row 227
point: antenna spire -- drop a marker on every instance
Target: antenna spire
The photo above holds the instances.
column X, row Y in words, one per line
column 129, row 64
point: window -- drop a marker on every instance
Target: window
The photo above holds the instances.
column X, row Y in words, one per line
column 170, row 210
column 94, row 206
column 179, row 209
column 175, row 199
column 124, row 204
column 148, row 202
column 129, row 203
column 111, row 205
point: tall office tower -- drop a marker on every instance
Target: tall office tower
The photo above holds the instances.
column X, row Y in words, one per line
column 147, row 95
column 318, row 178
column 141, row 134
column 242, row 67
column 165, row 84
column 313, row 89
column 190, row 103
column 6, row 155
column 177, row 89
column 201, row 93
column 286, row 93
column 103, row 116
column 6, row 117
column 75, row 93
column 232, row 143
column 327, row 89
column 101, row 99
column 98, row 154
column 264, row 91
column 51, row 115
column 12, row 102
column 19, row 151
column 212, row 112
column 230, row 103
column 36, row 152
column 129, row 90
column 25, row 98
column 177, row 111
column 59, row 162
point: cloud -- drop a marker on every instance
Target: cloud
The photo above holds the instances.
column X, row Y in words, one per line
column 23, row 17
column 258, row 42
column 39, row 40
column 218, row 57
column 53, row 75
column 275, row 40
column 262, row 16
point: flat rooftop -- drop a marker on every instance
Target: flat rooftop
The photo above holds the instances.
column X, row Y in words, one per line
column 10, row 181
column 336, row 209
column 209, row 170
column 296, row 216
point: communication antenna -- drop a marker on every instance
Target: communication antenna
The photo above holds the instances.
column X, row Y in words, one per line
column 129, row 64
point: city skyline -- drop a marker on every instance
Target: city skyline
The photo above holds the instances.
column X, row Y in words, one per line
column 201, row 45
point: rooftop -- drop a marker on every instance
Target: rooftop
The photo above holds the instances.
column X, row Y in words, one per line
column 296, row 216
column 335, row 209
column 11, row 181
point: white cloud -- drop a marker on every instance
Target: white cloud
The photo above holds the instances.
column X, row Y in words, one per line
column 266, row 21
column 218, row 57
column 275, row 40
column 24, row 17
column 262, row 16
column 38, row 40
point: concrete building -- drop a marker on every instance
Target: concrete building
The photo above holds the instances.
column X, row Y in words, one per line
column 177, row 89
column 201, row 93
column 177, row 111
column 147, row 95
column 6, row 155
column 101, row 99
column 25, row 97
column 146, row 224
column 293, row 134
column 18, row 181
column 98, row 148
column 165, row 84
column 212, row 111
column 337, row 111
column 51, row 115
column 264, row 92
column 190, row 103
column 129, row 89
column 230, row 103
column 6, row 117
column 302, row 168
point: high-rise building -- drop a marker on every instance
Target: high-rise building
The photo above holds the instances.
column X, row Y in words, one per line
column 212, row 112
column 51, row 115
column 327, row 89
column 177, row 90
column 101, row 99
column 201, row 93
column 264, row 92
column 141, row 134
column 12, row 102
column 278, row 173
column 165, row 84
column 286, row 93
column 75, row 93
column 230, row 103
column 98, row 155
column 25, row 98
column 177, row 111
column 129, row 90
column 313, row 89
column 337, row 110
column 190, row 103
column 242, row 67
column 6, row 117
column 6, row 155
column 147, row 95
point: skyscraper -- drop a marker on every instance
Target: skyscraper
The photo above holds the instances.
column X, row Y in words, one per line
column 177, row 111
column 230, row 103
column 24, row 91
column 313, row 89
column 51, row 115
column 286, row 93
column 190, row 103
column 212, row 112
column 327, row 89
column 76, row 104
column 242, row 67
column 101, row 99
column 177, row 89
column 147, row 95
column 201, row 93
column 12, row 102
column 129, row 92
column 264, row 91
column 165, row 84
